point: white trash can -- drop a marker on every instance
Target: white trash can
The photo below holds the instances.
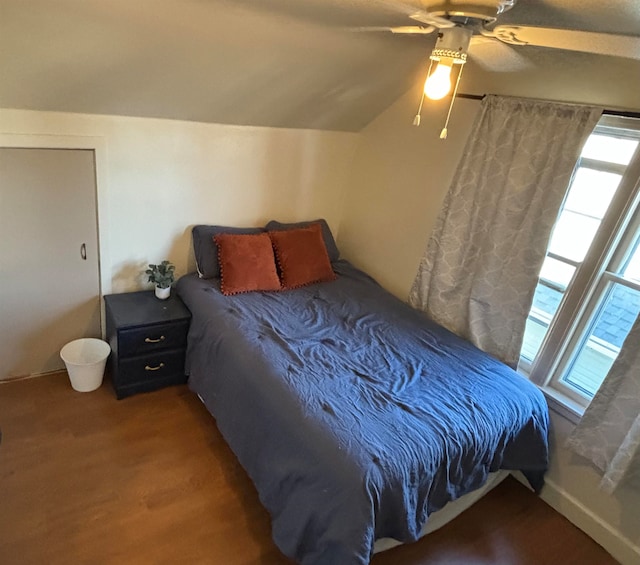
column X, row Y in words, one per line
column 85, row 360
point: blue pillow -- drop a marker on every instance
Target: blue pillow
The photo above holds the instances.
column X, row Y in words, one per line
column 206, row 250
column 327, row 236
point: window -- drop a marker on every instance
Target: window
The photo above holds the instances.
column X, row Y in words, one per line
column 588, row 291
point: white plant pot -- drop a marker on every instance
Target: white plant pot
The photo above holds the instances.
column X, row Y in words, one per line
column 163, row 293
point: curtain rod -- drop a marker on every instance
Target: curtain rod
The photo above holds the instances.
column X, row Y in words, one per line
column 606, row 112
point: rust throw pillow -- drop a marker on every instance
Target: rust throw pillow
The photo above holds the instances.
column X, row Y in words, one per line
column 302, row 256
column 247, row 263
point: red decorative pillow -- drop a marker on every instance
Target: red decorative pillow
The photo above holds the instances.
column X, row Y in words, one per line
column 302, row 256
column 246, row 262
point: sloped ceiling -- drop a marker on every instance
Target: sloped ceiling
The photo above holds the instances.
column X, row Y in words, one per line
column 281, row 63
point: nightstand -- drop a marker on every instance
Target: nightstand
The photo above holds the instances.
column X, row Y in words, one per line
column 148, row 339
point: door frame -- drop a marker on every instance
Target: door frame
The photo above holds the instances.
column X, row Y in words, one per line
column 98, row 145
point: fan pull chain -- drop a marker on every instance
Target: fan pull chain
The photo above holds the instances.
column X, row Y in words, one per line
column 416, row 119
column 443, row 133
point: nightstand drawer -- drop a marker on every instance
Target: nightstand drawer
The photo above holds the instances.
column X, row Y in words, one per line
column 140, row 341
column 151, row 367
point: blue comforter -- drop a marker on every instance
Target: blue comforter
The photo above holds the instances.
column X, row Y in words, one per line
column 354, row 415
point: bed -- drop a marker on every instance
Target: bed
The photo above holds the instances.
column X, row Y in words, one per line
column 355, row 416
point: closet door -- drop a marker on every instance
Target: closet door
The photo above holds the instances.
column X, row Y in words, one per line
column 49, row 270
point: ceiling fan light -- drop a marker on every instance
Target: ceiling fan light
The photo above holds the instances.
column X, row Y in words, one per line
column 438, row 83
column 453, row 44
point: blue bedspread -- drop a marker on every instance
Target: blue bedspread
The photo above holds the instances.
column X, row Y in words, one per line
column 354, row 415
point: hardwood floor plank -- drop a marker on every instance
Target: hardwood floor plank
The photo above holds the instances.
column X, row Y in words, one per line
column 85, row 478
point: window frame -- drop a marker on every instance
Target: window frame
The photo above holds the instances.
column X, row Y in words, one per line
column 579, row 304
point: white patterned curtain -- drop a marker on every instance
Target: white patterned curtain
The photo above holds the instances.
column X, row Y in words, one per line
column 609, row 432
column 479, row 272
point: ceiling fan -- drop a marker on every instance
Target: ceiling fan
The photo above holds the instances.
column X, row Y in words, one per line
column 478, row 17
column 464, row 23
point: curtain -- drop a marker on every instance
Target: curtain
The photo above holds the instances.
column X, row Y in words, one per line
column 479, row 271
column 609, row 432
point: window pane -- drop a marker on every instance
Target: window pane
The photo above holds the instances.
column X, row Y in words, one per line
column 611, row 149
column 591, row 192
column 573, row 350
column 632, row 268
column 545, row 303
column 557, row 272
column 572, row 235
column 600, row 347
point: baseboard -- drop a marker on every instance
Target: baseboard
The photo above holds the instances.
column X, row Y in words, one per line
column 621, row 548
column 34, row 376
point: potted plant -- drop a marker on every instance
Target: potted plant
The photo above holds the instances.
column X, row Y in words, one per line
column 162, row 276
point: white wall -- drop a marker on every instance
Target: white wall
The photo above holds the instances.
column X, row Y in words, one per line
column 157, row 178
column 572, row 489
column 400, row 176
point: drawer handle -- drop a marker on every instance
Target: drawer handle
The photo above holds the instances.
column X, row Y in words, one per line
column 149, row 340
column 147, row 368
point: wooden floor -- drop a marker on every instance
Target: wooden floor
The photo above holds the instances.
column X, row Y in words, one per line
column 85, row 478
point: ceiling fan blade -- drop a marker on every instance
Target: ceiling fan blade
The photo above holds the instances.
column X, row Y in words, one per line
column 627, row 46
column 496, row 57
column 398, row 29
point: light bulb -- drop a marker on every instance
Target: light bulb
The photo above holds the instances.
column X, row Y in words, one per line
column 438, row 85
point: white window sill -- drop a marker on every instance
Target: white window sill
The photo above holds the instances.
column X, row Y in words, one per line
column 562, row 404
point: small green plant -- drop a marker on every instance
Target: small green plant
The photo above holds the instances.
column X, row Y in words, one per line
column 161, row 275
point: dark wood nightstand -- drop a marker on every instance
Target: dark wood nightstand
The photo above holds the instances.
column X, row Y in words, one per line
column 148, row 339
